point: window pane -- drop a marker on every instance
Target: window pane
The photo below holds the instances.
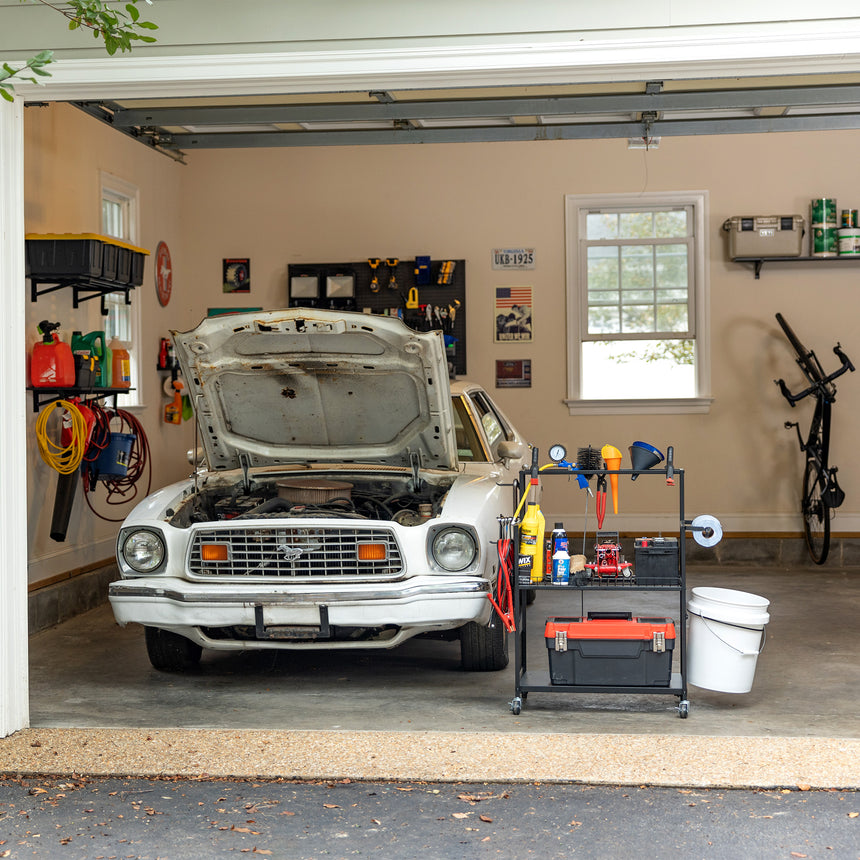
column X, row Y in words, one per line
column 637, row 318
column 637, row 267
column 671, row 265
column 602, row 268
column 638, row 369
column 601, row 225
column 671, row 224
column 603, row 320
column 637, row 225
column 672, row 318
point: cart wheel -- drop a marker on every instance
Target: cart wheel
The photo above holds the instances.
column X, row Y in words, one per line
column 683, row 709
column 516, row 705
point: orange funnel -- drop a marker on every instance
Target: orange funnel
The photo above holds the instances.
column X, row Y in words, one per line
column 612, row 457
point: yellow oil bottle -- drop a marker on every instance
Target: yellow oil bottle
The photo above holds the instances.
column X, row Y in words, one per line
column 532, row 530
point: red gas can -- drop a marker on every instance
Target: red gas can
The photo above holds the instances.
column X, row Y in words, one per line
column 52, row 364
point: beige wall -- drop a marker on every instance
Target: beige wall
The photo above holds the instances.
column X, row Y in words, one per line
column 64, row 152
column 459, row 201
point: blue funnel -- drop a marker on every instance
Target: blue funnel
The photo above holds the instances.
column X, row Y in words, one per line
column 644, row 456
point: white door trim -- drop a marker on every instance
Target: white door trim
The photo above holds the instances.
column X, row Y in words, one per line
column 817, row 47
column 14, row 688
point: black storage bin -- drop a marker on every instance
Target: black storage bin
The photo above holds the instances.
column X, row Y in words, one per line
column 64, row 255
column 110, row 259
column 610, row 649
column 655, row 561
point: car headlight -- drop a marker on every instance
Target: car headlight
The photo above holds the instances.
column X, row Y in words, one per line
column 454, row 548
column 143, row 550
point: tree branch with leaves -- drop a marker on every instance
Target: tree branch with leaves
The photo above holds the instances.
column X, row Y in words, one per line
column 117, row 27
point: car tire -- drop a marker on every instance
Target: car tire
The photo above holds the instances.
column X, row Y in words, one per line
column 170, row 652
column 484, row 648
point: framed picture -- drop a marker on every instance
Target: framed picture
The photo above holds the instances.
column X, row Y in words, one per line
column 514, row 373
column 237, row 275
column 513, row 317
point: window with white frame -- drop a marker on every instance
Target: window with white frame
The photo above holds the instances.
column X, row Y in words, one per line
column 637, row 294
column 119, row 203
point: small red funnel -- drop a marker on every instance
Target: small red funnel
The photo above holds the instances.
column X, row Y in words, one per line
column 644, row 456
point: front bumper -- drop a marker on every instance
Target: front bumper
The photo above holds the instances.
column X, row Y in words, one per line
column 403, row 609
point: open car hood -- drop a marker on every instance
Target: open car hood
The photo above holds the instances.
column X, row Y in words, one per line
column 303, row 385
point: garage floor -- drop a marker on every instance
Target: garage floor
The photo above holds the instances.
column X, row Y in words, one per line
column 803, row 711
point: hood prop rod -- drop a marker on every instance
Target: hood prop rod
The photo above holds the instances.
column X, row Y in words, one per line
column 245, row 463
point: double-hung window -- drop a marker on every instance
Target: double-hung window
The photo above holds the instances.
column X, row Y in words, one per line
column 637, row 297
column 120, row 202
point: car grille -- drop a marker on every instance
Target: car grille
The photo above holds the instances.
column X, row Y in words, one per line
column 278, row 552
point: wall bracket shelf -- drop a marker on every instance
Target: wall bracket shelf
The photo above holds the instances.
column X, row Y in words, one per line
column 758, row 262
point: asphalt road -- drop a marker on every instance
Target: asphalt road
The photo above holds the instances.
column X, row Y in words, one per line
column 181, row 819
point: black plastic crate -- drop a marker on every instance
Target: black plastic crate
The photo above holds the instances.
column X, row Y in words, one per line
column 610, row 649
column 65, row 255
column 655, row 561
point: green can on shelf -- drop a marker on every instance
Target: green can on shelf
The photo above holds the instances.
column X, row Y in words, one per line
column 824, row 241
column 824, row 210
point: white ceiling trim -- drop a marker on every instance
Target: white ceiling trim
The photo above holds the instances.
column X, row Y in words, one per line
column 521, row 63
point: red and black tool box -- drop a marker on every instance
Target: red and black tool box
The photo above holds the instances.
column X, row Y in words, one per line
column 610, row 649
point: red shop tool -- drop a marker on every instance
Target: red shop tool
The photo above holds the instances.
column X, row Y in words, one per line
column 503, row 602
column 601, row 500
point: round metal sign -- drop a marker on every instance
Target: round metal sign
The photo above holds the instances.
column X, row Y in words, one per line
column 163, row 274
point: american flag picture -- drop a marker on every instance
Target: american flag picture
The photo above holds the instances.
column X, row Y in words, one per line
column 513, row 314
column 507, row 297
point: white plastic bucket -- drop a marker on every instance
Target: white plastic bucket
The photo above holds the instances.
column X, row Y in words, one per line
column 726, row 635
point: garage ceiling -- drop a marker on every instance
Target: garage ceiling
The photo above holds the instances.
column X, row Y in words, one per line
column 639, row 111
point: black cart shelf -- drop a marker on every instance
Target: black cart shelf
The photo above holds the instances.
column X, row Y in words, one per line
column 529, row 680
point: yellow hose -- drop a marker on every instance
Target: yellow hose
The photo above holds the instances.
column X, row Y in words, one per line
column 64, row 459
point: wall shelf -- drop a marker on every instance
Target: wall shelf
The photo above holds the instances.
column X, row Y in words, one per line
column 82, row 288
column 758, row 262
column 44, row 396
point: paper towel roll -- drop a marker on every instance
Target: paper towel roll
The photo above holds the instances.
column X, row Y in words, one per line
column 707, row 530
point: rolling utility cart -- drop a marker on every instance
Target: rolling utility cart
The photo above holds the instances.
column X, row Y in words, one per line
column 610, row 652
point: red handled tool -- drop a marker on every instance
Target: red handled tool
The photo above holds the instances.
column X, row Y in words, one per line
column 503, row 602
column 601, row 500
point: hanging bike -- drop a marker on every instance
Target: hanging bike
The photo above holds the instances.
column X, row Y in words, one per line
column 821, row 491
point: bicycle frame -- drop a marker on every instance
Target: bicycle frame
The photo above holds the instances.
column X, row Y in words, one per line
column 821, row 491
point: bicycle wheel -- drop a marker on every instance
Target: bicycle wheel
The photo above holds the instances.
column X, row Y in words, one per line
column 816, row 514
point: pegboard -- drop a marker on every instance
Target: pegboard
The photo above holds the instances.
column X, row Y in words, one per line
column 331, row 293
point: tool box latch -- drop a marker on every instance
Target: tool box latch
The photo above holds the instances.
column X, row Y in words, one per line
column 561, row 640
column 658, row 643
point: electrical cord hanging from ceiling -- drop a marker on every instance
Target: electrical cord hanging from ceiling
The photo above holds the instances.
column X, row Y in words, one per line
column 120, row 489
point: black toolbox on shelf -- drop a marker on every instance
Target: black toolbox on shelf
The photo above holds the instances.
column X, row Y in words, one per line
column 610, row 649
column 655, row 561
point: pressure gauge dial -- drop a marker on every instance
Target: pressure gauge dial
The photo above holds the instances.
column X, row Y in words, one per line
column 557, row 453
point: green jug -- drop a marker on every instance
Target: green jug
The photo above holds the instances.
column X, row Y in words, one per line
column 94, row 344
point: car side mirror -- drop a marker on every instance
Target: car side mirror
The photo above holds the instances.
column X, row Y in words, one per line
column 510, row 450
column 196, row 456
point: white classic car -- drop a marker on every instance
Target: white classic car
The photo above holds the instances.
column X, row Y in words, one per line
column 349, row 498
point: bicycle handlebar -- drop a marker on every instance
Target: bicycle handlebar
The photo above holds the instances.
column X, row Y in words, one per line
column 821, row 385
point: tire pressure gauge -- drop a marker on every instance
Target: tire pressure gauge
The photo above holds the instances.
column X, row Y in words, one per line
column 557, row 453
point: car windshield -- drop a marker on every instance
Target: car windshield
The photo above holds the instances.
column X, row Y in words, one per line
column 469, row 447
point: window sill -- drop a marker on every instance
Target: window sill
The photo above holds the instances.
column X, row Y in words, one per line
column 643, row 406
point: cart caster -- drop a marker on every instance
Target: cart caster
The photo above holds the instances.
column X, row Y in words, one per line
column 683, row 709
column 516, row 705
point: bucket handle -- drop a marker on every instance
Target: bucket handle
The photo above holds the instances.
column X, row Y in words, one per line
column 740, row 627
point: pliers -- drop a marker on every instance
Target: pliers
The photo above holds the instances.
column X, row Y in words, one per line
column 601, row 499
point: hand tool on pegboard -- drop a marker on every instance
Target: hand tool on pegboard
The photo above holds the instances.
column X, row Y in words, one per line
column 392, row 263
column 374, row 263
column 446, row 273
